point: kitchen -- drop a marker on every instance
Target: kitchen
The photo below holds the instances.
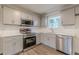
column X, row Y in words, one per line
column 24, row 27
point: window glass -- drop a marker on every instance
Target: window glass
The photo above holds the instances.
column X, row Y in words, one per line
column 54, row 22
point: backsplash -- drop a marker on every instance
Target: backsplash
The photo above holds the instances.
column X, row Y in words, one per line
column 9, row 27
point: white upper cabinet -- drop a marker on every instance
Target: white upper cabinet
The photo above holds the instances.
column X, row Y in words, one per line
column 0, row 15
column 11, row 16
column 36, row 20
column 68, row 17
column 77, row 16
column 77, row 10
column 14, row 17
column 26, row 16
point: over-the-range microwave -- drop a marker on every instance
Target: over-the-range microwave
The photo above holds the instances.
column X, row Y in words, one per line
column 25, row 22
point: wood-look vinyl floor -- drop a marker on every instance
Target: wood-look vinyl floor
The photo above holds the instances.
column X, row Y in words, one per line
column 41, row 50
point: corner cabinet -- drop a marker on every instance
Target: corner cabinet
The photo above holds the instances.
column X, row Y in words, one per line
column 68, row 17
column 11, row 16
column 12, row 45
column 49, row 39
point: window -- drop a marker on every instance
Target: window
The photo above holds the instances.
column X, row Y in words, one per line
column 54, row 22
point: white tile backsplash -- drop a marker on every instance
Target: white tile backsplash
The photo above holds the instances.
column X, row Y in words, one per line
column 9, row 27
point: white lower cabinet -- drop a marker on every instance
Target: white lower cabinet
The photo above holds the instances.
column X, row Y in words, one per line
column 59, row 43
column 43, row 39
column 49, row 40
column 12, row 45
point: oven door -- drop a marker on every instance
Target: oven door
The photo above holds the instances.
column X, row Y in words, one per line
column 29, row 41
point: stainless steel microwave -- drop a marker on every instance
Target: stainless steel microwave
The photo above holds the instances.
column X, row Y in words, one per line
column 25, row 22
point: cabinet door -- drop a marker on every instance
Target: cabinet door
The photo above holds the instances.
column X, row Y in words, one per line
column 11, row 16
column 12, row 45
column 29, row 17
column 68, row 17
column 8, row 46
column 38, row 38
column 8, row 16
column 77, row 10
column 36, row 20
column 19, row 44
column 23, row 15
column 0, row 15
column 17, row 17
column 26, row 16
column 77, row 17
column 52, row 40
column 59, row 43
column 44, row 39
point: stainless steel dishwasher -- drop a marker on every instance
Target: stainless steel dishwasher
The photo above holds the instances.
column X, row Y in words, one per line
column 64, row 43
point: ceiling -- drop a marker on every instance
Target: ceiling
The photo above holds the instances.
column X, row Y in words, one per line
column 43, row 8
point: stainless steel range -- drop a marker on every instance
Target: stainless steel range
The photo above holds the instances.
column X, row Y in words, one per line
column 29, row 38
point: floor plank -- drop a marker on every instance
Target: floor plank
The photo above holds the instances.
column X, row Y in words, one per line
column 41, row 50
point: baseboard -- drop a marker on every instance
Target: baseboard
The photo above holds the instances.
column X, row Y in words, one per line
column 76, row 53
column 63, row 52
column 27, row 49
column 48, row 46
column 1, row 53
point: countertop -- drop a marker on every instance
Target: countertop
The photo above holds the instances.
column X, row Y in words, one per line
column 7, row 33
